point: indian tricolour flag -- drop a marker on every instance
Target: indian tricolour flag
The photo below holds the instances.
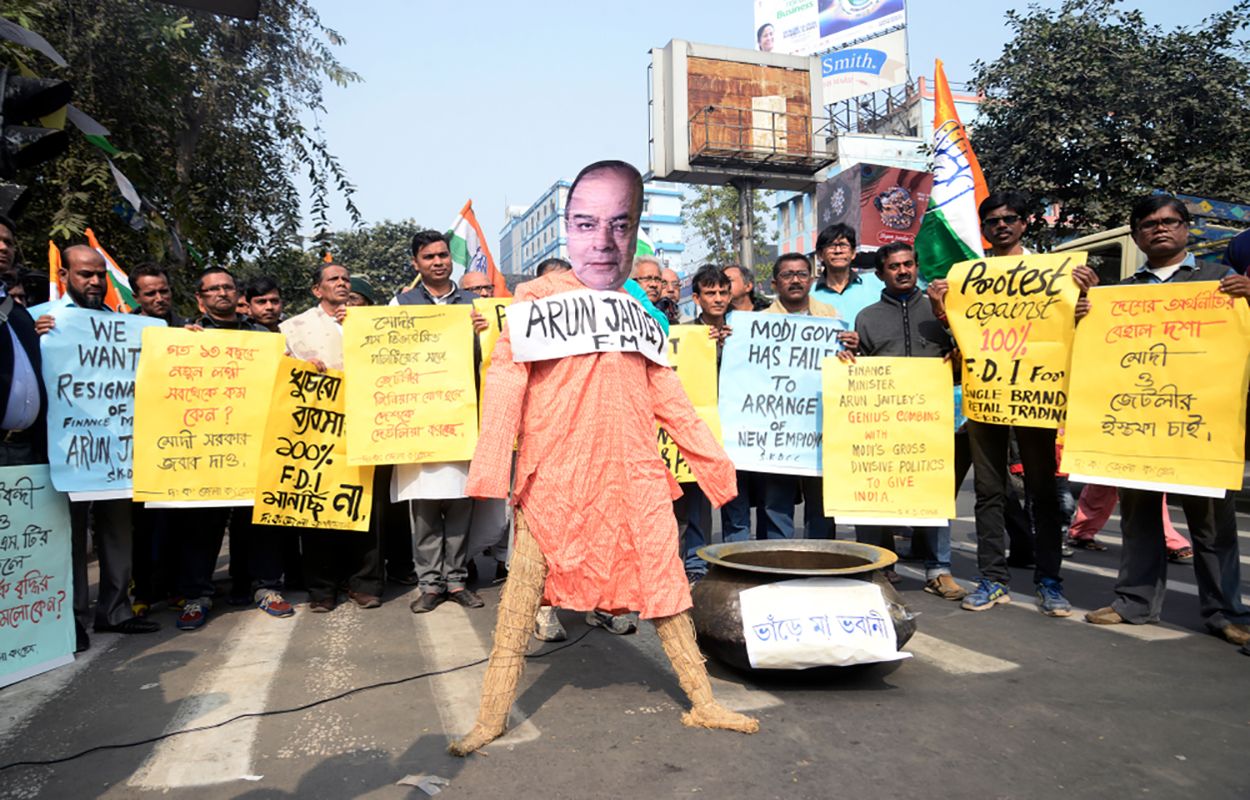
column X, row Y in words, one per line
column 470, row 253
column 645, row 246
column 118, row 296
column 951, row 229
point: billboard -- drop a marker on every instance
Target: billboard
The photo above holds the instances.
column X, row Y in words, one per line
column 870, row 66
column 884, row 204
column 805, row 27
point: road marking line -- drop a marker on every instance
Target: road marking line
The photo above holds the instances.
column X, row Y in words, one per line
column 956, row 660
column 23, row 700
column 451, row 642
column 1028, row 602
column 253, row 659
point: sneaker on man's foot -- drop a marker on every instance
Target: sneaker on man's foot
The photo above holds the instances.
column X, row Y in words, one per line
column 944, row 586
column 987, row 595
column 273, row 603
column 194, row 615
column 1050, row 599
column 547, row 627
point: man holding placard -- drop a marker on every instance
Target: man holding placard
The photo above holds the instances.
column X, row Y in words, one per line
column 902, row 323
column 84, row 274
column 441, row 510
column 1160, row 228
column 1014, row 380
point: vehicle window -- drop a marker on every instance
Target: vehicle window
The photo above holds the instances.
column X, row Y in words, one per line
column 1105, row 260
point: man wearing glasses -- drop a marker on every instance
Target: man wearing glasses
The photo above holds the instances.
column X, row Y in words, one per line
column 1003, row 222
column 792, row 280
column 476, row 283
column 1160, row 227
column 840, row 285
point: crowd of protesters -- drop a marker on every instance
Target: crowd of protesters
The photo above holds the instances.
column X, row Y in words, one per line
column 426, row 533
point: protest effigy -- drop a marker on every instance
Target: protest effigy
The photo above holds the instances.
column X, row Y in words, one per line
column 770, row 390
column 1159, row 375
column 1014, row 319
column 889, row 449
column 89, row 363
column 200, row 412
column 584, row 321
column 693, row 356
column 36, row 602
column 410, row 385
column 304, row 479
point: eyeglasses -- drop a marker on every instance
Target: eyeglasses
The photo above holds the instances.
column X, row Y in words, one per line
column 649, row 280
column 487, row 289
column 1170, row 224
column 794, row 276
column 838, row 246
column 1006, row 219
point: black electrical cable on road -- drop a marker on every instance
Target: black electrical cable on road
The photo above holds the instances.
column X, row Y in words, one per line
column 277, row 711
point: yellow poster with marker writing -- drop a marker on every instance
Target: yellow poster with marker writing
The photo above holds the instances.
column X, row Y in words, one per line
column 1014, row 318
column 201, row 403
column 410, row 384
column 495, row 310
column 304, row 479
column 692, row 354
column 1159, row 377
column 888, row 448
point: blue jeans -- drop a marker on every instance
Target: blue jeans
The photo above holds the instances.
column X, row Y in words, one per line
column 694, row 525
column 781, row 494
column 735, row 516
column 932, row 543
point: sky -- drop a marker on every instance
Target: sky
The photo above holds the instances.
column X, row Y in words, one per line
column 495, row 101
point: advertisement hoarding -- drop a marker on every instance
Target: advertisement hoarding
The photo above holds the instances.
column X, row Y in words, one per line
column 879, row 63
column 805, row 27
column 885, row 204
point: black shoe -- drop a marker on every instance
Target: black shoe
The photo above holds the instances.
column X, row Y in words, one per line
column 467, row 598
column 428, row 601
column 81, row 642
column 132, row 625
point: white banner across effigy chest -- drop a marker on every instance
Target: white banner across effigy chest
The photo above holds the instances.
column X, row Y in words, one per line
column 581, row 322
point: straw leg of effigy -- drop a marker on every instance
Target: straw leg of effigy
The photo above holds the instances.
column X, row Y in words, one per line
column 677, row 636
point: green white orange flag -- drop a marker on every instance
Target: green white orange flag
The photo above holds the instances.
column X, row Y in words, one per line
column 469, row 251
column 645, row 246
column 118, row 296
column 951, row 229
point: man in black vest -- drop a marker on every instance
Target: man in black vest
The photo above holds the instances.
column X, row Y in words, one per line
column 1160, row 227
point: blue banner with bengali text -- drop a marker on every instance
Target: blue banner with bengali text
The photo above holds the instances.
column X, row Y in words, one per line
column 36, row 585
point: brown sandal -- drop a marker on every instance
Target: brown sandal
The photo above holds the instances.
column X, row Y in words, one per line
column 1181, row 555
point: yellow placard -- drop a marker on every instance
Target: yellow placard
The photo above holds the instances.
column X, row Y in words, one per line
column 1014, row 318
column 201, row 403
column 692, row 354
column 1159, row 377
column 888, row 449
column 304, row 479
column 495, row 309
column 410, row 387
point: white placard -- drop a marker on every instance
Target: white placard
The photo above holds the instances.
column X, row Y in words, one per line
column 581, row 322
column 817, row 622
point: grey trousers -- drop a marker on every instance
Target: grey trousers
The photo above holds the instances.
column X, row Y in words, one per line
column 1142, row 582
column 442, row 542
column 113, row 537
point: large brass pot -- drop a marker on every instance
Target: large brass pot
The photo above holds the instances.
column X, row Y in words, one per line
column 734, row 566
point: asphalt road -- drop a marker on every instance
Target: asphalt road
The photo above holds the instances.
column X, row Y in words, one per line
column 1002, row 704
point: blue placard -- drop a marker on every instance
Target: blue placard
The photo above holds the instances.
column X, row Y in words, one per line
column 89, row 362
column 770, row 392
column 36, row 584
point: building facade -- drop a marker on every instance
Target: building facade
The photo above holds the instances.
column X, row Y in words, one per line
column 537, row 232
